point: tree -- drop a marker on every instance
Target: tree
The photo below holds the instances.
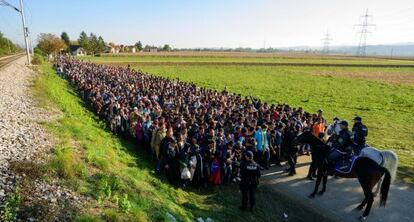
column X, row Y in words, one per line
column 6, row 46
column 84, row 41
column 92, row 43
column 50, row 44
column 65, row 37
column 102, row 44
column 166, row 48
column 138, row 45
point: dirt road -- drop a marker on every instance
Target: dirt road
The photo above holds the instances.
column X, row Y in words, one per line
column 342, row 195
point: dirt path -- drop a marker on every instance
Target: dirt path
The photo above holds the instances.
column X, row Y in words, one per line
column 342, row 195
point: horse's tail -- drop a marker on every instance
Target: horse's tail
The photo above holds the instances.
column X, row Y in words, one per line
column 385, row 187
column 390, row 162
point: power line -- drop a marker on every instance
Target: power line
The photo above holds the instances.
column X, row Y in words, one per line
column 326, row 42
column 25, row 29
column 362, row 46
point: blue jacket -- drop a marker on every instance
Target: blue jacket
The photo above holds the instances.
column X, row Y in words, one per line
column 262, row 139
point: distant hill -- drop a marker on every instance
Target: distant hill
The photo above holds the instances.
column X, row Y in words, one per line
column 400, row 49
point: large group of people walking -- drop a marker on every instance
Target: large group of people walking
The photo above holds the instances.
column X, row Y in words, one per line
column 195, row 136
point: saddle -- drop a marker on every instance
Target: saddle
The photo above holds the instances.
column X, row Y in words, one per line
column 345, row 164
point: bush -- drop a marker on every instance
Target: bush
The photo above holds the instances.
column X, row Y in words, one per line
column 38, row 59
column 9, row 210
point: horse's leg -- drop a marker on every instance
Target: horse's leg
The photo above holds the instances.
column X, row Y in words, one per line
column 362, row 205
column 367, row 183
column 325, row 179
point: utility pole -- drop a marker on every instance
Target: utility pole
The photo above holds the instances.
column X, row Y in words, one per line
column 362, row 46
column 26, row 34
column 326, row 42
column 25, row 29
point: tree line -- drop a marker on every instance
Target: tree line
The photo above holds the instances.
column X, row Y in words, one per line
column 92, row 44
column 7, row 47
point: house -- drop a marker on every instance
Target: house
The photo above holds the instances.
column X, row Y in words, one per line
column 112, row 48
column 152, row 49
column 76, row 50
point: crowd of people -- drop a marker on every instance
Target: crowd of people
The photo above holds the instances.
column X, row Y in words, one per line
column 196, row 136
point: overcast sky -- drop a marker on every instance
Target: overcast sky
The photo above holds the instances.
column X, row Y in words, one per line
column 216, row 23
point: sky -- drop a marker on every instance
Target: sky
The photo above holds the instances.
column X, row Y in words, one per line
column 215, row 23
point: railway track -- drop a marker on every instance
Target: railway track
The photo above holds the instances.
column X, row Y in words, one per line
column 4, row 61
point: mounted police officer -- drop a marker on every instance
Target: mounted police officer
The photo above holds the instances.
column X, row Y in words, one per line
column 342, row 146
column 250, row 174
column 359, row 132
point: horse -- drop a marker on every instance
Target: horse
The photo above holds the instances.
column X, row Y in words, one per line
column 367, row 170
column 333, row 130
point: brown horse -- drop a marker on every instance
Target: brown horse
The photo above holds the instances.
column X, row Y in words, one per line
column 365, row 169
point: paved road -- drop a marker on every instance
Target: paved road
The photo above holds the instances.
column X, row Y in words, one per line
column 342, row 196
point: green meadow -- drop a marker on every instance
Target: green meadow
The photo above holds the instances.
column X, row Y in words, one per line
column 241, row 58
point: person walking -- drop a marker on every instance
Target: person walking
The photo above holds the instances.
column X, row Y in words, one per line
column 250, row 174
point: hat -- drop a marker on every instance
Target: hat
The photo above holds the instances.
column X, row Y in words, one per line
column 358, row 118
column 249, row 154
column 335, row 118
column 344, row 123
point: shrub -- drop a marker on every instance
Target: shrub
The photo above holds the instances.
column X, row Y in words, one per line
column 38, row 59
column 9, row 211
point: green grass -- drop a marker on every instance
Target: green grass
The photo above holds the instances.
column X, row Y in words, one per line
column 118, row 177
column 218, row 59
column 387, row 109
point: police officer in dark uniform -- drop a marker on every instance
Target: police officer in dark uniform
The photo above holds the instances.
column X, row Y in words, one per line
column 359, row 132
column 342, row 145
column 250, row 174
column 290, row 147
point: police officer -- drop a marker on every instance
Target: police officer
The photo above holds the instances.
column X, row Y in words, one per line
column 359, row 132
column 342, row 144
column 250, row 174
column 290, row 147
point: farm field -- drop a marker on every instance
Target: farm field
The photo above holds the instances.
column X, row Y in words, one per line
column 384, row 97
column 259, row 58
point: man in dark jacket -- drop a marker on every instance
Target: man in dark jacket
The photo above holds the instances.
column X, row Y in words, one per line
column 359, row 132
column 342, row 145
column 289, row 147
column 250, row 174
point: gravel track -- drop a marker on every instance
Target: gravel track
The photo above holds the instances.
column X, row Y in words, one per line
column 23, row 141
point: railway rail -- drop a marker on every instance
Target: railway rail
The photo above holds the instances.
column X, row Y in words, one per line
column 4, row 61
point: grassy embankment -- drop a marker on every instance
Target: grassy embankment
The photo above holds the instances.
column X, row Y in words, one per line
column 118, row 178
column 387, row 109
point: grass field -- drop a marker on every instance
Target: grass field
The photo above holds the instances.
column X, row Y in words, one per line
column 118, row 178
column 245, row 58
column 384, row 97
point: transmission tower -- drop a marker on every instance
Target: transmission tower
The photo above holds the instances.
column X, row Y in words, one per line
column 326, row 42
column 362, row 46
